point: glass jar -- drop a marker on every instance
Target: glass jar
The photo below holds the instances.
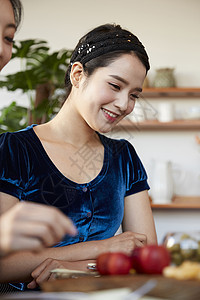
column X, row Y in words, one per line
column 183, row 246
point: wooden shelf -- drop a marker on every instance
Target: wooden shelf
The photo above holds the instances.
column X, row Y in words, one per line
column 156, row 125
column 175, row 206
column 180, row 202
column 171, row 92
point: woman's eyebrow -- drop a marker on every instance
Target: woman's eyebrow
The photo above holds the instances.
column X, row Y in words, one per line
column 124, row 81
column 11, row 25
column 119, row 78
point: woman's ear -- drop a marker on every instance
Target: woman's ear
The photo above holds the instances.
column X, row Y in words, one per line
column 76, row 74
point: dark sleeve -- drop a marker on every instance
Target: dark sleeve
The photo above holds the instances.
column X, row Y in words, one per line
column 14, row 167
column 136, row 176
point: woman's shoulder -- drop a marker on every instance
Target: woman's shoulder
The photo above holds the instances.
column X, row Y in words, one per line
column 116, row 144
column 16, row 136
column 15, row 153
column 17, row 142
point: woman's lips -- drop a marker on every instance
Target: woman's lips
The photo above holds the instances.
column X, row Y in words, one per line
column 111, row 116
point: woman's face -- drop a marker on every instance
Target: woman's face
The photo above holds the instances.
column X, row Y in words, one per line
column 109, row 94
column 7, row 31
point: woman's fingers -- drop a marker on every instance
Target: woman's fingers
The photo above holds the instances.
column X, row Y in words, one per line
column 32, row 226
column 124, row 242
column 36, row 273
column 43, row 272
column 138, row 243
column 32, row 284
column 53, row 218
column 39, row 232
column 59, row 224
column 25, row 243
column 52, row 277
column 141, row 238
column 48, row 215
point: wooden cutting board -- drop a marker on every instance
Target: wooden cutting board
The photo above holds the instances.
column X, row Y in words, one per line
column 166, row 288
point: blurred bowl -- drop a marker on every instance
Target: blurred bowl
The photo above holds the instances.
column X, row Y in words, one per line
column 183, row 246
column 193, row 113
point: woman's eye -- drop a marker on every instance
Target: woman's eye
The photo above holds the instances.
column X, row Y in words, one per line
column 9, row 39
column 116, row 87
column 133, row 96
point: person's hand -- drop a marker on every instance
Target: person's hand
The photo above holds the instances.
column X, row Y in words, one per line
column 43, row 272
column 30, row 226
column 124, row 242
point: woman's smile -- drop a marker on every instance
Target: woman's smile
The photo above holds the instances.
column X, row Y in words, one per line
column 110, row 116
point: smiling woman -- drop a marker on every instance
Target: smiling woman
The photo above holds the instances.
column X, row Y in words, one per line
column 68, row 163
column 110, row 92
column 7, row 31
column 25, row 225
column 10, row 19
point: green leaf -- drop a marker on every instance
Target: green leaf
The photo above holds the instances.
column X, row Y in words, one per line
column 13, row 118
column 39, row 66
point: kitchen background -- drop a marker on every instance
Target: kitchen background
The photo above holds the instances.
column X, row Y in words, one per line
column 169, row 29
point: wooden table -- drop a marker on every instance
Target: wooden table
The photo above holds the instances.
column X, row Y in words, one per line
column 166, row 288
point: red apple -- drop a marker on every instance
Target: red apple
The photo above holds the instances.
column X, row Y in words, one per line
column 113, row 263
column 150, row 259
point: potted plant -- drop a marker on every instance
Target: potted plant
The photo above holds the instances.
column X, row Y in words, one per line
column 41, row 77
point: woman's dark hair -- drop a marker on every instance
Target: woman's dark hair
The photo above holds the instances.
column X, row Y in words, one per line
column 101, row 46
column 17, row 9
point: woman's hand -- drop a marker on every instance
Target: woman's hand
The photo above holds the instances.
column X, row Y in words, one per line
column 43, row 272
column 124, row 242
column 31, row 226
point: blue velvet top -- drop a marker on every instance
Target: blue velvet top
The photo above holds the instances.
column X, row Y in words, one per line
column 96, row 207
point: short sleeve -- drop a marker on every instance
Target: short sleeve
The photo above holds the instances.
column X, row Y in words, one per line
column 13, row 165
column 136, row 176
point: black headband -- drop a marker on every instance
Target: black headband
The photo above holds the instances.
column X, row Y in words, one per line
column 106, row 42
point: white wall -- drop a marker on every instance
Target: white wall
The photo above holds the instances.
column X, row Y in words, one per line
column 169, row 29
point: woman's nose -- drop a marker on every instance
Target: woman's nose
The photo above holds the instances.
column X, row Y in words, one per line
column 1, row 46
column 122, row 102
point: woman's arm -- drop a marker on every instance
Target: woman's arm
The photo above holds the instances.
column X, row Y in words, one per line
column 138, row 216
column 139, row 228
column 19, row 266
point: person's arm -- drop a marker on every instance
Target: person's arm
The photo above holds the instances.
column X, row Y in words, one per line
column 138, row 216
column 139, row 228
column 124, row 242
column 19, row 266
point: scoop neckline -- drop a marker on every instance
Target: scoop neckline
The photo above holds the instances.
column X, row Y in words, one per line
column 51, row 164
